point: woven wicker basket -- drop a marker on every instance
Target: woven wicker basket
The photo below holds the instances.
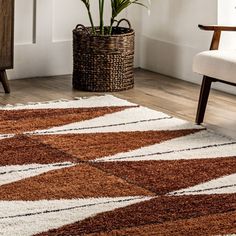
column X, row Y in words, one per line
column 103, row 63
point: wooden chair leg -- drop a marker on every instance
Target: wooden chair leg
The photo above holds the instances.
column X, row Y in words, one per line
column 203, row 99
column 4, row 81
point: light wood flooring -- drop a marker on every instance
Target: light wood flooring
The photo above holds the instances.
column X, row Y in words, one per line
column 162, row 93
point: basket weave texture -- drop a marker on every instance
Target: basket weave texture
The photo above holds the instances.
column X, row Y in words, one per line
column 103, row 63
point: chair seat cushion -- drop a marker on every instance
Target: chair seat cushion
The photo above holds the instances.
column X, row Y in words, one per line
column 219, row 64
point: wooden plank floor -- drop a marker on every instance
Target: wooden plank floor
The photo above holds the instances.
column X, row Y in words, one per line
column 174, row 97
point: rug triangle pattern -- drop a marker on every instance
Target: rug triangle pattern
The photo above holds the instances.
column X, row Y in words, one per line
column 102, row 165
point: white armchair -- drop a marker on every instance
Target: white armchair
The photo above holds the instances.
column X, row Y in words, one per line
column 215, row 66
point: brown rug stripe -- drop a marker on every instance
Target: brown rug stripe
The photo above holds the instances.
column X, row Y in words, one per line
column 163, row 214
column 163, row 177
column 218, row 224
column 88, row 146
column 81, row 181
column 19, row 121
column 22, row 150
column 159, row 212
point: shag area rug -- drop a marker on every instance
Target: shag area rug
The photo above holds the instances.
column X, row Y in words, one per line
column 104, row 166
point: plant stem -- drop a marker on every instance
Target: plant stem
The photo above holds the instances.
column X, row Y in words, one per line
column 101, row 10
column 91, row 19
column 111, row 25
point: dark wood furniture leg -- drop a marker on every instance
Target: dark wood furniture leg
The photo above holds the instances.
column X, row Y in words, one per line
column 203, row 99
column 6, row 40
column 206, row 82
column 4, row 81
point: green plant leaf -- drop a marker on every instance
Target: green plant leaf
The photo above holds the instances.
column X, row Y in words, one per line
column 118, row 6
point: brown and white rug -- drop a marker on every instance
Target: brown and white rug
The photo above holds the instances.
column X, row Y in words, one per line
column 104, row 166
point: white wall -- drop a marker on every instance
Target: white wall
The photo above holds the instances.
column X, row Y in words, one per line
column 43, row 35
column 170, row 36
column 166, row 41
column 227, row 16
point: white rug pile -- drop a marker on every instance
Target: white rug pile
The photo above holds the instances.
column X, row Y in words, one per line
column 105, row 166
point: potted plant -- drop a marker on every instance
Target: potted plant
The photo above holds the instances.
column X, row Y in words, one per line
column 103, row 56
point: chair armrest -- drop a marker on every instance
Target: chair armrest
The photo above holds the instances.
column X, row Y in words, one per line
column 217, row 28
column 217, row 33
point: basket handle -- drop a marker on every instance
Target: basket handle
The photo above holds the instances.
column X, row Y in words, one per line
column 80, row 26
column 127, row 21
